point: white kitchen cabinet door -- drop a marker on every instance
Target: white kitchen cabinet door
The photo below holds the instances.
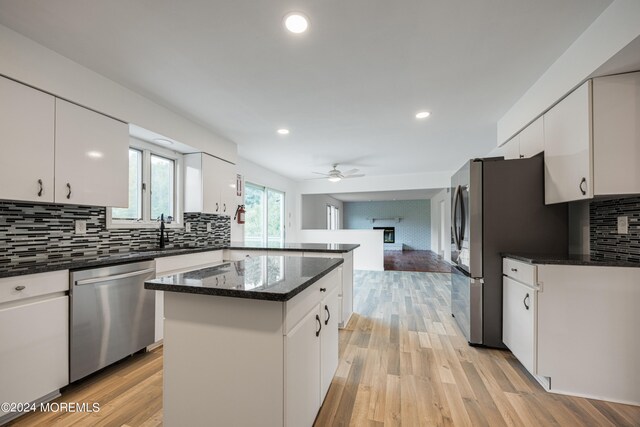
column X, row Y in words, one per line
column 568, row 148
column 511, row 149
column 616, row 134
column 34, row 356
column 228, row 195
column 518, row 321
column 212, row 177
column 302, row 371
column 330, row 309
column 26, row 134
column 532, row 139
column 91, row 157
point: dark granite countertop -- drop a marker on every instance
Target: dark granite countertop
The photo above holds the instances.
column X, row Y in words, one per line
column 570, row 260
column 271, row 278
column 75, row 261
column 296, row 247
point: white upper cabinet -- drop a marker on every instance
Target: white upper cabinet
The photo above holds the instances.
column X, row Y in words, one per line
column 616, row 134
column 208, row 184
column 91, row 157
column 511, row 149
column 532, row 139
column 592, row 141
column 568, row 148
column 527, row 143
column 26, row 135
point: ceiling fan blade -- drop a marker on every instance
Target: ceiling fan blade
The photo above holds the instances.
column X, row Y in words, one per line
column 360, row 175
column 320, row 173
column 351, row 172
column 320, row 177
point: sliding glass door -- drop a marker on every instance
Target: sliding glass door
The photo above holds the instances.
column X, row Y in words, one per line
column 265, row 215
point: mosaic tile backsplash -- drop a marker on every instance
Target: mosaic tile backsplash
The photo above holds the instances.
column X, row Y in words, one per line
column 603, row 229
column 30, row 232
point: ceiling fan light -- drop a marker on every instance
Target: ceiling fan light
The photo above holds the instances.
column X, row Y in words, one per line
column 335, row 179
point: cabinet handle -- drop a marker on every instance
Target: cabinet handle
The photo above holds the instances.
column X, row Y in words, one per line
column 524, row 301
column 582, row 190
column 69, row 188
column 326, row 308
column 224, row 207
column 515, row 270
column 217, row 206
column 41, row 188
column 216, row 281
column 20, row 288
column 319, row 325
column 323, row 289
column 522, row 156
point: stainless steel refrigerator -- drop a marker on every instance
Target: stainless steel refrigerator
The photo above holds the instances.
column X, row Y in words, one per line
column 497, row 206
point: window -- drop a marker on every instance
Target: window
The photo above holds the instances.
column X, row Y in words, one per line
column 333, row 217
column 153, row 188
column 264, row 219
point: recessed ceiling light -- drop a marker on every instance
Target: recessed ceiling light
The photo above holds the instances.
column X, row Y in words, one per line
column 296, row 22
column 283, row 131
column 423, row 115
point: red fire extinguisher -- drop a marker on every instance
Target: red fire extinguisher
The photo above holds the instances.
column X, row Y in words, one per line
column 240, row 214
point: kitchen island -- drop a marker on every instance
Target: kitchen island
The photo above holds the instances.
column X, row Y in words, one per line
column 250, row 342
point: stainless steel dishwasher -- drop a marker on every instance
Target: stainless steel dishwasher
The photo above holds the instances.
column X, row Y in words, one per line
column 111, row 315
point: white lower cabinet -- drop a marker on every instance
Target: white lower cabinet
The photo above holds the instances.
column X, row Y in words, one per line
column 34, row 337
column 330, row 310
column 519, row 326
column 574, row 327
column 302, row 371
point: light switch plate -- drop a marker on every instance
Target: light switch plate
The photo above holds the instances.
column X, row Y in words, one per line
column 81, row 226
column 623, row 225
column 187, row 227
column 208, row 227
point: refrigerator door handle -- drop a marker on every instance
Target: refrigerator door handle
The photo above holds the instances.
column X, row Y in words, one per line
column 454, row 222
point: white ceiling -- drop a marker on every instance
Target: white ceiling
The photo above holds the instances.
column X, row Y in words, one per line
column 376, row 196
column 348, row 89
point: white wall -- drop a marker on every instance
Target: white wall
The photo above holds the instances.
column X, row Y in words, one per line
column 370, row 254
column 26, row 61
column 615, row 28
column 436, row 246
column 314, row 211
column 257, row 174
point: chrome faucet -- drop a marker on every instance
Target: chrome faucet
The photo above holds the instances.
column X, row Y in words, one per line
column 164, row 233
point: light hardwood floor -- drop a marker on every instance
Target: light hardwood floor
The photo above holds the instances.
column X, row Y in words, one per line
column 403, row 362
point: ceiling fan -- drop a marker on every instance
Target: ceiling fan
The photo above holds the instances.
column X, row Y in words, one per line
column 336, row 175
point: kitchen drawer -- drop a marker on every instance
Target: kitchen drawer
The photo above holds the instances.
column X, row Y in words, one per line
column 33, row 285
column 521, row 271
column 174, row 264
column 298, row 306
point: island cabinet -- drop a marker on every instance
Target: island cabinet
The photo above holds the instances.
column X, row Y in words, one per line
column 178, row 264
column 574, row 327
column 246, row 361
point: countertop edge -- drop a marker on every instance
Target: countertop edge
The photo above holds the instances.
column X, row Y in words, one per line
column 231, row 293
column 557, row 260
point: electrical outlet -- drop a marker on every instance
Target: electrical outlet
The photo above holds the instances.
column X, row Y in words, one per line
column 208, row 227
column 187, row 227
column 623, row 225
column 81, row 226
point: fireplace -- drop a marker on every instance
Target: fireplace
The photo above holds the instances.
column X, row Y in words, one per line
column 389, row 234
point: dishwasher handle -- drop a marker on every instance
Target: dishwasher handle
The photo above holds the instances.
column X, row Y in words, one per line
column 116, row 277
